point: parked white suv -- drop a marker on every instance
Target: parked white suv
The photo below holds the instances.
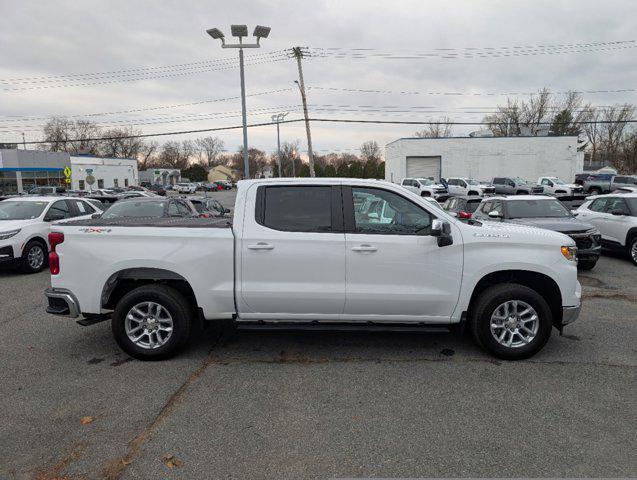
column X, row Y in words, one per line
column 25, row 223
column 425, row 187
column 186, row 187
column 468, row 186
column 615, row 216
column 556, row 186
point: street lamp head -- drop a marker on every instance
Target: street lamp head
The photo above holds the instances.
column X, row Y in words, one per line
column 239, row 30
column 215, row 33
column 261, row 32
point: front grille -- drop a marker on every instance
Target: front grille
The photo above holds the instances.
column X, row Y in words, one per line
column 578, row 190
column 489, row 189
column 583, row 240
column 441, row 190
column 537, row 189
column 6, row 253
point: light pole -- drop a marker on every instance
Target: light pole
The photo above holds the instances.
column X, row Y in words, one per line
column 241, row 31
column 278, row 118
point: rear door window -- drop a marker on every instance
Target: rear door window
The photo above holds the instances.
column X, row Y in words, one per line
column 598, row 205
column 60, row 207
column 297, row 209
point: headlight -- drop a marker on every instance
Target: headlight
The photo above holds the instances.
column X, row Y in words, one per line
column 570, row 253
column 12, row 233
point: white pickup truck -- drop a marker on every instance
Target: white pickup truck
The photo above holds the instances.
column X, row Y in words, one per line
column 306, row 253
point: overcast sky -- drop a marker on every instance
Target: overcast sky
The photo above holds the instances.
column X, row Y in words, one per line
column 42, row 41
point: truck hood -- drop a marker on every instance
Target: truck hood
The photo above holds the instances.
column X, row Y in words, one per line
column 8, row 225
column 555, row 224
column 519, row 233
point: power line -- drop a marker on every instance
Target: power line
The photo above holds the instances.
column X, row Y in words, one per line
column 325, row 120
column 147, row 77
column 472, row 94
column 11, row 118
column 141, row 70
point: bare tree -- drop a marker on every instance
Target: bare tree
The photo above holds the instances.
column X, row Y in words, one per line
column 440, row 128
column 209, row 149
column 121, row 143
column 370, row 151
column 79, row 136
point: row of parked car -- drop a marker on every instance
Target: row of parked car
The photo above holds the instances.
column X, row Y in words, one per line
column 25, row 221
column 608, row 221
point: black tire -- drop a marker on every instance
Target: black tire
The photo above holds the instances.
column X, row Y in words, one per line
column 425, row 194
column 171, row 300
column 586, row 263
column 37, row 248
column 632, row 249
column 472, row 192
column 486, row 305
column 521, row 192
column 595, row 191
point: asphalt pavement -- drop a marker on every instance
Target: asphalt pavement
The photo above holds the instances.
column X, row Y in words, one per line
column 318, row 405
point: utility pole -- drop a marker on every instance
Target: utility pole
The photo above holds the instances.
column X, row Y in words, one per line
column 298, row 53
column 24, row 142
column 241, row 31
column 278, row 118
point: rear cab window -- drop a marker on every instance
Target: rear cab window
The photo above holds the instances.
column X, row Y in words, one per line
column 309, row 208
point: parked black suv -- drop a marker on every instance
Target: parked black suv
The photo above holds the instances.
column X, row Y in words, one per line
column 544, row 212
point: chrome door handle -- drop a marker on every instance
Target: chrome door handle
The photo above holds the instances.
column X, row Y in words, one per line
column 261, row 246
column 364, row 248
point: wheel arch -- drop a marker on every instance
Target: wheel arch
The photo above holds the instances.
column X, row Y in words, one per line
column 123, row 281
column 540, row 282
column 36, row 238
column 632, row 233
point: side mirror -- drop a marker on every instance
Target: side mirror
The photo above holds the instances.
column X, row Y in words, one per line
column 442, row 231
column 494, row 214
column 575, row 213
column 617, row 212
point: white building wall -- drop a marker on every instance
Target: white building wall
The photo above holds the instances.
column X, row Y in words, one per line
column 107, row 169
column 485, row 158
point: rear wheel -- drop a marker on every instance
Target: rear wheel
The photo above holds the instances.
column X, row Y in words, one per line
column 632, row 249
column 511, row 321
column 152, row 322
column 472, row 192
column 595, row 191
column 33, row 257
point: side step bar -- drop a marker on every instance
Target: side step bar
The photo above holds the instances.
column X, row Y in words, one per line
column 343, row 327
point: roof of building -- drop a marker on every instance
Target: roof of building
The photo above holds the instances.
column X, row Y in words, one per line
column 478, row 138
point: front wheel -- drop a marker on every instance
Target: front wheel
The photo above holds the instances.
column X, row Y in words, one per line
column 595, row 191
column 511, row 321
column 33, row 257
column 152, row 322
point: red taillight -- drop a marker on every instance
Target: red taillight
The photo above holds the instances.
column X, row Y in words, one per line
column 464, row 215
column 55, row 238
column 204, row 215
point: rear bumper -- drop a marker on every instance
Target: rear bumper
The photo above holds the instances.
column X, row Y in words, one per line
column 62, row 302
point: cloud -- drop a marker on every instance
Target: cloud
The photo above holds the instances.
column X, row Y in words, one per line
column 41, row 38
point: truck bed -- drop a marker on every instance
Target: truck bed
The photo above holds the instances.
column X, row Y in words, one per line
column 212, row 222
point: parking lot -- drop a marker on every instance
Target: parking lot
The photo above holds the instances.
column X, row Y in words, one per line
column 310, row 405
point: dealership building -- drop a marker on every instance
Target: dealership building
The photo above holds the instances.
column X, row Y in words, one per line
column 22, row 170
column 483, row 158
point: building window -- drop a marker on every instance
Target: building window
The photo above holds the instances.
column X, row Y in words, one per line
column 116, row 182
column 100, row 183
column 81, row 184
column 126, row 182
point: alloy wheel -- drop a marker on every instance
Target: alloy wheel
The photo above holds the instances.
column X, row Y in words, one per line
column 148, row 325
column 35, row 257
column 514, row 324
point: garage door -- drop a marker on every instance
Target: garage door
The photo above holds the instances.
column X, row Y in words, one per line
column 423, row 167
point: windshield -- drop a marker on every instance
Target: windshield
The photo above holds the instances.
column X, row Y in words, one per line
column 136, row 209
column 425, row 181
column 471, row 206
column 21, row 210
column 520, row 181
column 471, row 181
column 536, row 209
column 557, row 181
